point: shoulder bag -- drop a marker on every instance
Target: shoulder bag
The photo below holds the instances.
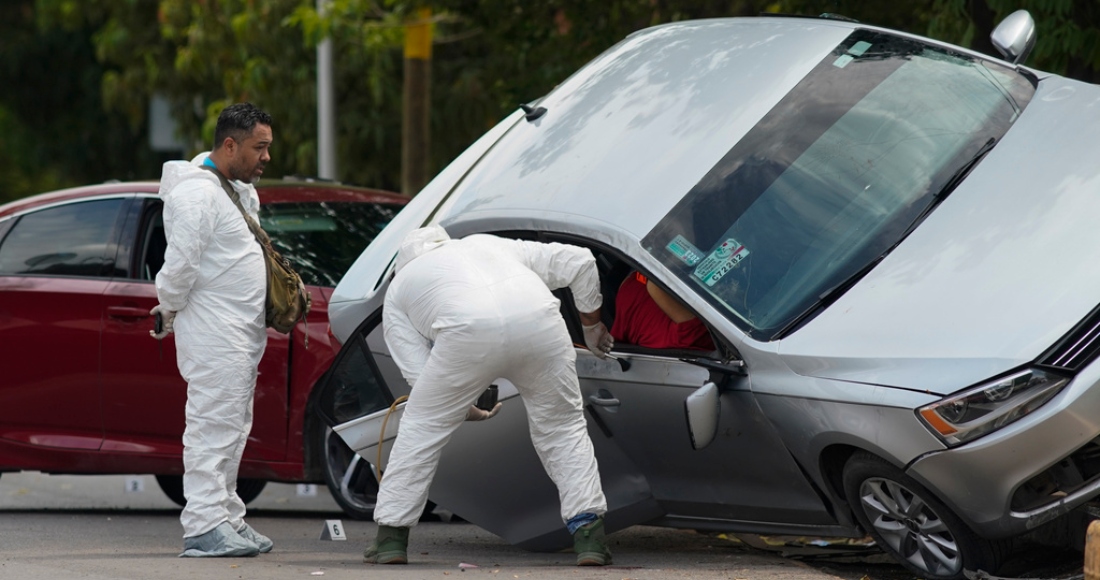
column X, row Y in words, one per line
column 287, row 298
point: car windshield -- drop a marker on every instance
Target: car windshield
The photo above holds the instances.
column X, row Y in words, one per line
column 834, row 177
column 323, row 239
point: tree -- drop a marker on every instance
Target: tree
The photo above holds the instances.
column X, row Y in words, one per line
column 54, row 130
column 489, row 56
column 1068, row 31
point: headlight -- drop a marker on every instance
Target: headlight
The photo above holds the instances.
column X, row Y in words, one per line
column 985, row 408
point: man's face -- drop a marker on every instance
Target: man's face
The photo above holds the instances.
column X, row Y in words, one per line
column 251, row 155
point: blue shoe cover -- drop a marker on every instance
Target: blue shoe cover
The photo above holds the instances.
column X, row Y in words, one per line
column 263, row 542
column 221, row 541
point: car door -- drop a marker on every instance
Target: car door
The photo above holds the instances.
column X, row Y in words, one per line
column 489, row 473
column 143, row 394
column 745, row 474
column 55, row 264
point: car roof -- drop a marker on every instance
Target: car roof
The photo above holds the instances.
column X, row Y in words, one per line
column 626, row 136
column 269, row 190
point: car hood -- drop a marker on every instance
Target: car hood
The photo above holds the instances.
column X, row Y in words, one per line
column 992, row 278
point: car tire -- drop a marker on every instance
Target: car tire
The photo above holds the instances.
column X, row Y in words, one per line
column 910, row 524
column 172, row 486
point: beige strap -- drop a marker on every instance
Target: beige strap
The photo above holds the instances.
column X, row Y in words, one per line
column 261, row 235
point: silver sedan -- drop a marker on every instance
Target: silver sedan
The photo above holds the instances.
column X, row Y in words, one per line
column 887, row 239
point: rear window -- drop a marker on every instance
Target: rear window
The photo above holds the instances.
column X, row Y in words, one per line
column 76, row 239
column 323, row 239
column 833, row 177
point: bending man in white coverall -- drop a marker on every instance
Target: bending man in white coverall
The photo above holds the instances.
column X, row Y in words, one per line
column 462, row 313
column 212, row 289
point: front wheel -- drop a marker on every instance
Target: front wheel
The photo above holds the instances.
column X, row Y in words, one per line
column 350, row 479
column 172, row 486
column 911, row 525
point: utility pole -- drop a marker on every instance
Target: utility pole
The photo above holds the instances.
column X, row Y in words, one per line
column 326, row 105
column 415, row 129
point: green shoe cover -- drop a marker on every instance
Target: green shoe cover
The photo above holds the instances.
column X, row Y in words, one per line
column 390, row 546
column 590, row 544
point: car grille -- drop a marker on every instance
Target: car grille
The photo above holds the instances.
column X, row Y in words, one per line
column 1078, row 348
column 1061, row 479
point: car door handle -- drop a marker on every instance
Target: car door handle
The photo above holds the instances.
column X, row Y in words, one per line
column 603, row 402
column 127, row 312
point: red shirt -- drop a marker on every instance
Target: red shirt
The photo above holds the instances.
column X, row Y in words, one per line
column 638, row 320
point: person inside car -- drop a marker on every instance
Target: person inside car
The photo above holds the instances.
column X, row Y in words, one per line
column 647, row 316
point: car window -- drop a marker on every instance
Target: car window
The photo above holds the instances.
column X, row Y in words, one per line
column 323, row 239
column 153, row 243
column 352, row 387
column 637, row 321
column 5, row 225
column 69, row 240
column 834, row 176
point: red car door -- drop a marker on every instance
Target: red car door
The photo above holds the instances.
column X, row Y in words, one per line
column 143, row 393
column 55, row 264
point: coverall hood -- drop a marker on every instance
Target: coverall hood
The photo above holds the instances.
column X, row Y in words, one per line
column 419, row 242
column 175, row 172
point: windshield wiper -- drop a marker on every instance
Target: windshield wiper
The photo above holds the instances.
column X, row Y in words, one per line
column 828, row 297
column 948, row 187
column 961, row 173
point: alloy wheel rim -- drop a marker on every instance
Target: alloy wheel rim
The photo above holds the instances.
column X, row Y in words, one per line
column 910, row 526
column 351, row 471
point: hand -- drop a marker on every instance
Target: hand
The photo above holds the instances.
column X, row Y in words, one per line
column 475, row 414
column 168, row 317
column 598, row 340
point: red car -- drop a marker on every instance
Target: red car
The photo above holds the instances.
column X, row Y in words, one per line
column 85, row 389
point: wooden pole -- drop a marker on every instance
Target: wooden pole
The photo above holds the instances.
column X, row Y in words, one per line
column 415, row 131
column 1092, row 551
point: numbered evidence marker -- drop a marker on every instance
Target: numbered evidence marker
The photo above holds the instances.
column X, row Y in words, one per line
column 307, row 490
column 135, row 484
column 333, row 530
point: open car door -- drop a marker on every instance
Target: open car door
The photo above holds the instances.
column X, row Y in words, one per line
column 489, row 473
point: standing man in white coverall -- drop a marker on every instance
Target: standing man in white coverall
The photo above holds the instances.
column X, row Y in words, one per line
column 462, row 313
column 212, row 291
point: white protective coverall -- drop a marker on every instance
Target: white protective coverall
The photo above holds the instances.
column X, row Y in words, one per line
column 214, row 278
column 462, row 313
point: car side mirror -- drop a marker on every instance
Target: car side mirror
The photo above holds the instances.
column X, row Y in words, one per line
column 1014, row 37
column 702, row 409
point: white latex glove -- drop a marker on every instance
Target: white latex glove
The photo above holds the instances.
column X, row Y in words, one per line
column 167, row 316
column 475, row 414
column 598, row 339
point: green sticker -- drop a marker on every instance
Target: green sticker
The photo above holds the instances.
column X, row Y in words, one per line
column 721, row 261
column 843, row 60
column 685, row 250
column 859, row 48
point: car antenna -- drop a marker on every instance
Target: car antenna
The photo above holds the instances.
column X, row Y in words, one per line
column 532, row 113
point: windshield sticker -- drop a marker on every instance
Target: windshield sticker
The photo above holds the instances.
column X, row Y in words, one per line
column 685, row 250
column 843, row 60
column 859, row 48
column 721, row 261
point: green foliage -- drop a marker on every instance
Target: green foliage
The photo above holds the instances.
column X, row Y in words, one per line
column 55, row 130
column 1068, row 31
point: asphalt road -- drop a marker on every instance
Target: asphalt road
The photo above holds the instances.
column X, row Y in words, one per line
column 103, row 527
column 123, row 527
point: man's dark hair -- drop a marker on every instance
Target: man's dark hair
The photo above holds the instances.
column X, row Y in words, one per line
column 237, row 121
